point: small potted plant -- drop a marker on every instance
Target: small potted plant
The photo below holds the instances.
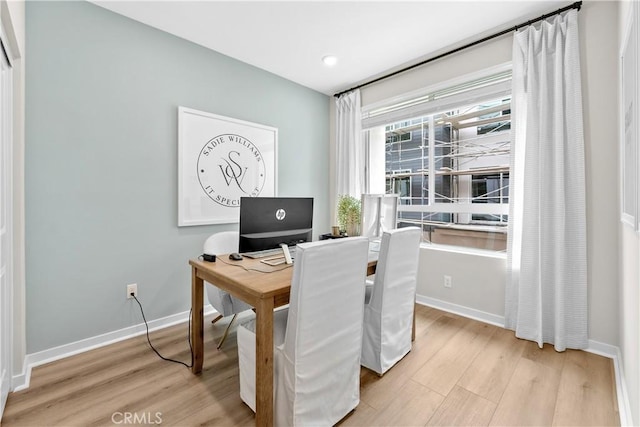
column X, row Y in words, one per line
column 348, row 214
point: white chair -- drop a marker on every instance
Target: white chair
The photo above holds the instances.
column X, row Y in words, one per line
column 317, row 339
column 217, row 244
column 389, row 303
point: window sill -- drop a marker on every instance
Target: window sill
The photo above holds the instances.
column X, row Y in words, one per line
column 464, row 250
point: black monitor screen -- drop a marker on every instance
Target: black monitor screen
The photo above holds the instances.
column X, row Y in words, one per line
column 266, row 222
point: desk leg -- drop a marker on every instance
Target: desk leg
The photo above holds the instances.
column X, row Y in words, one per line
column 413, row 329
column 264, row 363
column 197, row 320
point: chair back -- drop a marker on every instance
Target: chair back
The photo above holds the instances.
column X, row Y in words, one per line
column 323, row 338
column 224, row 242
column 389, row 313
column 218, row 244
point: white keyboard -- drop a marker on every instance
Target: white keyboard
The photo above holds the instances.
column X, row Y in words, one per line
column 263, row 254
column 268, row 253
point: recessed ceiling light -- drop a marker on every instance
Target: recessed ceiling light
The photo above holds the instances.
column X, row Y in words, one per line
column 329, row 60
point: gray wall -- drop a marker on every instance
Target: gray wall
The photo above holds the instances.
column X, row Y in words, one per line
column 101, row 163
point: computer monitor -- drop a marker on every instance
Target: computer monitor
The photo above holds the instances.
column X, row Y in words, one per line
column 266, row 222
column 379, row 214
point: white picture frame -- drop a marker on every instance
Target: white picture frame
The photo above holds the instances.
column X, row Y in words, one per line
column 221, row 159
column 629, row 123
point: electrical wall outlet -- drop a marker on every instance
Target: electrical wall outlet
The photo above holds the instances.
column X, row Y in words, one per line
column 447, row 281
column 132, row 289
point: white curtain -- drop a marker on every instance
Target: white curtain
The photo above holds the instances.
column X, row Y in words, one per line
column 349, row 145
column 546, row 295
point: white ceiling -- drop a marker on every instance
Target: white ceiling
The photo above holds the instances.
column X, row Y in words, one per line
column 289, row 38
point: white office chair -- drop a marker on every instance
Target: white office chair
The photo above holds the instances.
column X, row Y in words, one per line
column 317, row 340
column 389, row 303
column 225, row 304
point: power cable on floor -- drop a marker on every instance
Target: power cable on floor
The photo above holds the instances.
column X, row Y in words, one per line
column 154, row 349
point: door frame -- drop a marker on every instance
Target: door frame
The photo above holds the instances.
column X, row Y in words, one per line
column 6, row 225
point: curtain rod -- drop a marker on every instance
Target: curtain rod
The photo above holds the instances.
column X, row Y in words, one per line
column 575, row 5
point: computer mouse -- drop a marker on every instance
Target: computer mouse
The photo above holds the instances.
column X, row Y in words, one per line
column 235, row 256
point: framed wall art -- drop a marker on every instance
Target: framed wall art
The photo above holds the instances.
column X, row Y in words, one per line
column 220, row 160
column 629, row 122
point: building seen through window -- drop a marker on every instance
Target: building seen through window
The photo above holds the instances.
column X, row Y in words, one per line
column 451, row 170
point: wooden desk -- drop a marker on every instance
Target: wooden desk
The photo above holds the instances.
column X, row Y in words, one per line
column 263, row 290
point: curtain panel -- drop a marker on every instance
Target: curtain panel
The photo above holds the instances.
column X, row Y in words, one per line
column 349, row 145
column 546, row 294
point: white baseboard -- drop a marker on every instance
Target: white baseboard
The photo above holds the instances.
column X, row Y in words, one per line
column 21, row 381
column 595, row 347
column 602, row 349
column 461, row 310
column 614, row 353
column 624, row 405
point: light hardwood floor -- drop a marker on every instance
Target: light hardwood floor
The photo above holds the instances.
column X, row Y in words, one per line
column 459, row 372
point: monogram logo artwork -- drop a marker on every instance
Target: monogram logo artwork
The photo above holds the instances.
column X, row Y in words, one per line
column 280, row 214
column 229, row 167
column 233, row 171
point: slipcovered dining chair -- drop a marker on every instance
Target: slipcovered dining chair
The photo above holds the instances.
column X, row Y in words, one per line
column 317, row 339
column 226, row 305
column 390, row 301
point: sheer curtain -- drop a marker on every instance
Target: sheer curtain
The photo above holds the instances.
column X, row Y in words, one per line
column 546, row 295
column 349, row 145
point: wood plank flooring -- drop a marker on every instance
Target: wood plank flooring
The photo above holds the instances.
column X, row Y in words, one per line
column 459, row 372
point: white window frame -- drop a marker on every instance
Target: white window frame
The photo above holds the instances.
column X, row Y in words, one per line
column 427, row 102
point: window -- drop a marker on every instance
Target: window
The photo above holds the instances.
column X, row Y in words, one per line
column 450, row 164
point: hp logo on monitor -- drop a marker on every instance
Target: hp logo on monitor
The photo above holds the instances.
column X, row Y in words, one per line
column 280, row 214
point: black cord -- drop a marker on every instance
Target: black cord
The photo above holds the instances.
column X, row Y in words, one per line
column 154, row 349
